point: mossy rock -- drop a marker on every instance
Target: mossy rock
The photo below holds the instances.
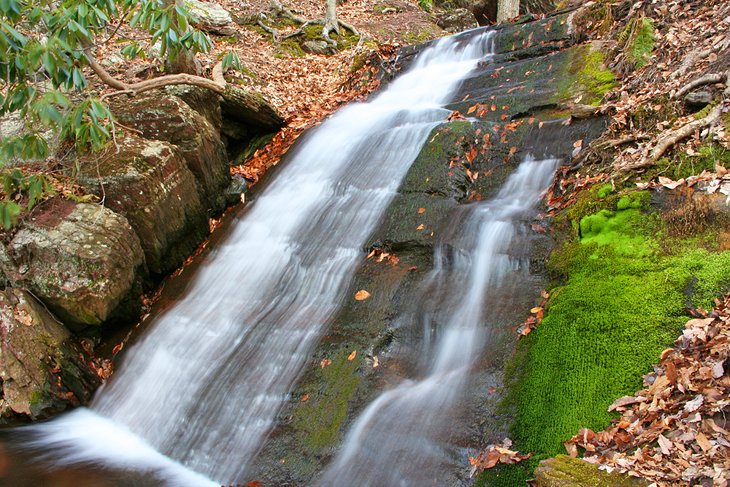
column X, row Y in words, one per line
column 150, row 184
column 564, row 471
column 83, row 261
column 624, row 284
column 587, row 78
column 160, row 116
column 43, row 370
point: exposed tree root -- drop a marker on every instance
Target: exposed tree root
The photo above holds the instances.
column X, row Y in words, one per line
column 330, row 23
column 669, row 138
column 704, row 80
column 217, row 84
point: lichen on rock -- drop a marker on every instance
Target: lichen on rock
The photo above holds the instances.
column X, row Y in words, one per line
column 84, row 261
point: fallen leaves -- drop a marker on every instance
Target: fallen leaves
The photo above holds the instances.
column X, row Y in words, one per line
column 352, row 356
column 675, row 431
column 536, row 315
column 493, row 455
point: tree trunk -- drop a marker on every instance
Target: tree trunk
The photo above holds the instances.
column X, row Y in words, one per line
column 182, row 61
column 507, row 9
column 330, row 19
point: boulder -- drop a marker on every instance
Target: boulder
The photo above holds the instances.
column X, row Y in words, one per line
column 564, row 471
column 83, row 261
column 149, row 183
column 251, row 109
column 210, row 17
column 42, row 370
column 317, row 47
column 698, row 99
column 160, row 116
column 455, row 20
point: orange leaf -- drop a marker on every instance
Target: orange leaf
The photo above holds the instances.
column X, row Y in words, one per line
column 352, row 356
column 421, row 211
column 471, row 109
column 420, row 227
column 324, row 363
column 471, row 154
column 362, row 295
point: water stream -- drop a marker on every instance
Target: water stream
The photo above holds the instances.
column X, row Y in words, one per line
column 395, row 441
column 196, row 396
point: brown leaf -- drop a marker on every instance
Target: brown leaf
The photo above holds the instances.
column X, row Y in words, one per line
column 471, row 154
column 625, row 401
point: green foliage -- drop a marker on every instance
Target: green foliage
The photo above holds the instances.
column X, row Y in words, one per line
column 426, row 5
column 621, row 304
column 21, row 193
column 638, row 39
column 44, row 46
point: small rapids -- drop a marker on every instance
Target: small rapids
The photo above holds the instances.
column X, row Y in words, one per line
column 395, row 441
column 197, row 395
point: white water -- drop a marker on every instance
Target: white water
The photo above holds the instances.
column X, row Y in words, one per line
column 395, row 440
column 197, row 395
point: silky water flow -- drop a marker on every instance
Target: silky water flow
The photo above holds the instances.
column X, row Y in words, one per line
column 196, row 395
column 396, row 440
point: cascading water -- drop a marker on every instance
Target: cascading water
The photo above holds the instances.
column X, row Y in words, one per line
column 196, row 396
column 394, row 442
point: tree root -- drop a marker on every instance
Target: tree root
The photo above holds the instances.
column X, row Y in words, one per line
column 669, row 138
column 704, row 80
column 328, row 26
column 217, row 84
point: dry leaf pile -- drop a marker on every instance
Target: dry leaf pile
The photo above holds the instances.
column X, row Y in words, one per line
column 675, row 431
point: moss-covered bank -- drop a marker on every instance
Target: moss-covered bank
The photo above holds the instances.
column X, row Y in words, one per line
column 624, row 286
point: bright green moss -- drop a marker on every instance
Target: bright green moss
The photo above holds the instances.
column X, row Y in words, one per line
column 621, row 304
column 587, row 77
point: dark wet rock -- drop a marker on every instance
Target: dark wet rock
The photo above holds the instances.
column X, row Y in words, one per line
column 83, row 261
column 42, row 370
column 149, row 183
column 237, row 189
column 455, row 20
column 563, row 471
column 413, row 221
column 698, row 99
column 160, row 116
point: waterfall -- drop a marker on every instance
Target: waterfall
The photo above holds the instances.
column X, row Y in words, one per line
column 393, row 442
column 196, row 396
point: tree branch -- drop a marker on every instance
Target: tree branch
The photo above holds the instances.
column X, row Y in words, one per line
column 217, row 85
